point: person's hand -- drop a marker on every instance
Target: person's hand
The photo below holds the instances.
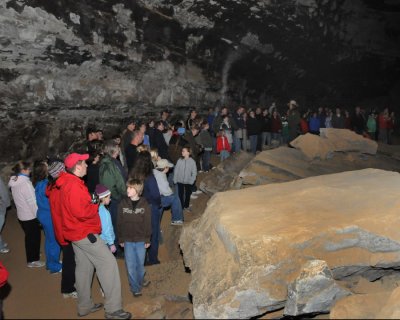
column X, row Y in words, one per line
column 122, row 244
column 113, row 248
column 146, row 245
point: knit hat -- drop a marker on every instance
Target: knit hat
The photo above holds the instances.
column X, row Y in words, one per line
column 102, row 191
column 55, row 168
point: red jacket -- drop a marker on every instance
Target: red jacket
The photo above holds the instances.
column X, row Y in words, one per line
column 78, row 215
column 223, row 144
column 3, row 275
column 276, row 125
column 303, row 126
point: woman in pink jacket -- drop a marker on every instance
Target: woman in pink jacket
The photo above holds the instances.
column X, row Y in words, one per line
column 24, row 198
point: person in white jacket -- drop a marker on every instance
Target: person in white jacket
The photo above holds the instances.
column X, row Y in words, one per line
column 24, row 198
column 185, row 174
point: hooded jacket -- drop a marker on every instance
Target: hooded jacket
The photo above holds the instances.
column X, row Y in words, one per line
column 24, row 197
column 53, row 192
column 79, row 216
column 112, row 178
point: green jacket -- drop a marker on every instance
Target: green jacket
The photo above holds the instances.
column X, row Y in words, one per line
column 112, row 178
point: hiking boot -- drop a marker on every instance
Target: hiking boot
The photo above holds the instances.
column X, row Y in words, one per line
column 119, row 314
column 96, row 307
column 177, row 223
column 72, row 294
column 35, row 264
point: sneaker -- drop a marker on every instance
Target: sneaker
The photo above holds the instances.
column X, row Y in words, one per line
column 193, row 196
column 137, row 294
column 119, row 314
column 177, row 223
column 35, row 264
column 146, row 283
column 72, row 294
column 4, row 250
column 96, row 307
column 198, row 192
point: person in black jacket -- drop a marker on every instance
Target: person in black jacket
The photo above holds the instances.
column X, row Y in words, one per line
column 159, row 141
column 253, row 130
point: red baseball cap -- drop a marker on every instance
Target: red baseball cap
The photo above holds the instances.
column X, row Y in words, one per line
column 73, row 158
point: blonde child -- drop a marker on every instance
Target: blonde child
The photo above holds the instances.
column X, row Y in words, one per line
column 107, row 230
column 185, row 174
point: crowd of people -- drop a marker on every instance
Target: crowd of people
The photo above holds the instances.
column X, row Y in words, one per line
column 107, row 201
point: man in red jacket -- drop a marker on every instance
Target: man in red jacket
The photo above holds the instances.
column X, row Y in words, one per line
column 81, row 225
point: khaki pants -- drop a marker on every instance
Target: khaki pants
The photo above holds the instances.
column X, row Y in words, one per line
column 90, row 256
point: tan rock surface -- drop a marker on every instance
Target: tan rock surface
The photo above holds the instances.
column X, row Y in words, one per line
column 250, row 244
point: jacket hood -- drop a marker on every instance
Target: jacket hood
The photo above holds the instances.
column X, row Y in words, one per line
column 65, row 178
column 17, row 180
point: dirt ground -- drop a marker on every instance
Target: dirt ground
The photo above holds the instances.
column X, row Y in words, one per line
column 34, row 293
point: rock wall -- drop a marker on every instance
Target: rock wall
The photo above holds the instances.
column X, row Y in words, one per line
column 65, row 63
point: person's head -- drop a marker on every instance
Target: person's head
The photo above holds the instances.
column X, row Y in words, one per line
column 75, row 163
column 91, row 133
column 143, row 166
column 258, row 110
column 55, row 169
column 142, row 147
column 130, row 124
column 137, row 137
column 94, row 157
column 100, row 135
column 275, row 114
column 40, row 171
column 143, row 127
column 111, row 148
column 265, row 112
column 134, row 188
column 117, row 139
column 221, row 132
column 23, row 167
column 195, row 130
column 240, row 110
column 224, row 111
column 103, row 193
column 193, row 114
column 163, row 165
column 252, row 113
column 186, row 152
column 338, row 111
column 165, row 115
column 159, row 125
column 154, row 155
column 205, row 125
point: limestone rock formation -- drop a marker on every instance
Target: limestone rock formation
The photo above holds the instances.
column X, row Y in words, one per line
column 250, row 245
column 69, row 63
column 314, row 291
column 333, row 140
column 286, row 164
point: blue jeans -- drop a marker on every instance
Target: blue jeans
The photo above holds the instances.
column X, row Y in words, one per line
column 224, row 154
column 135, row 253
column 266, row 138
column 253, row 143
column 237, row 144
column 51, row 246
column 206, row 157
column 155, row 233
column 175, row 204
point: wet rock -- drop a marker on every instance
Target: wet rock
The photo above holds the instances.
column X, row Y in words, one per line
column 249, row 245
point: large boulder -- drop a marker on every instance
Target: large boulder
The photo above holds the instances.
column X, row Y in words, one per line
column 250, row 244
column 333, row 140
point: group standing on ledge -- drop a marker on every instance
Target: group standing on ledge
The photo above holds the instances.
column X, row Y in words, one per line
column 107, row 201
